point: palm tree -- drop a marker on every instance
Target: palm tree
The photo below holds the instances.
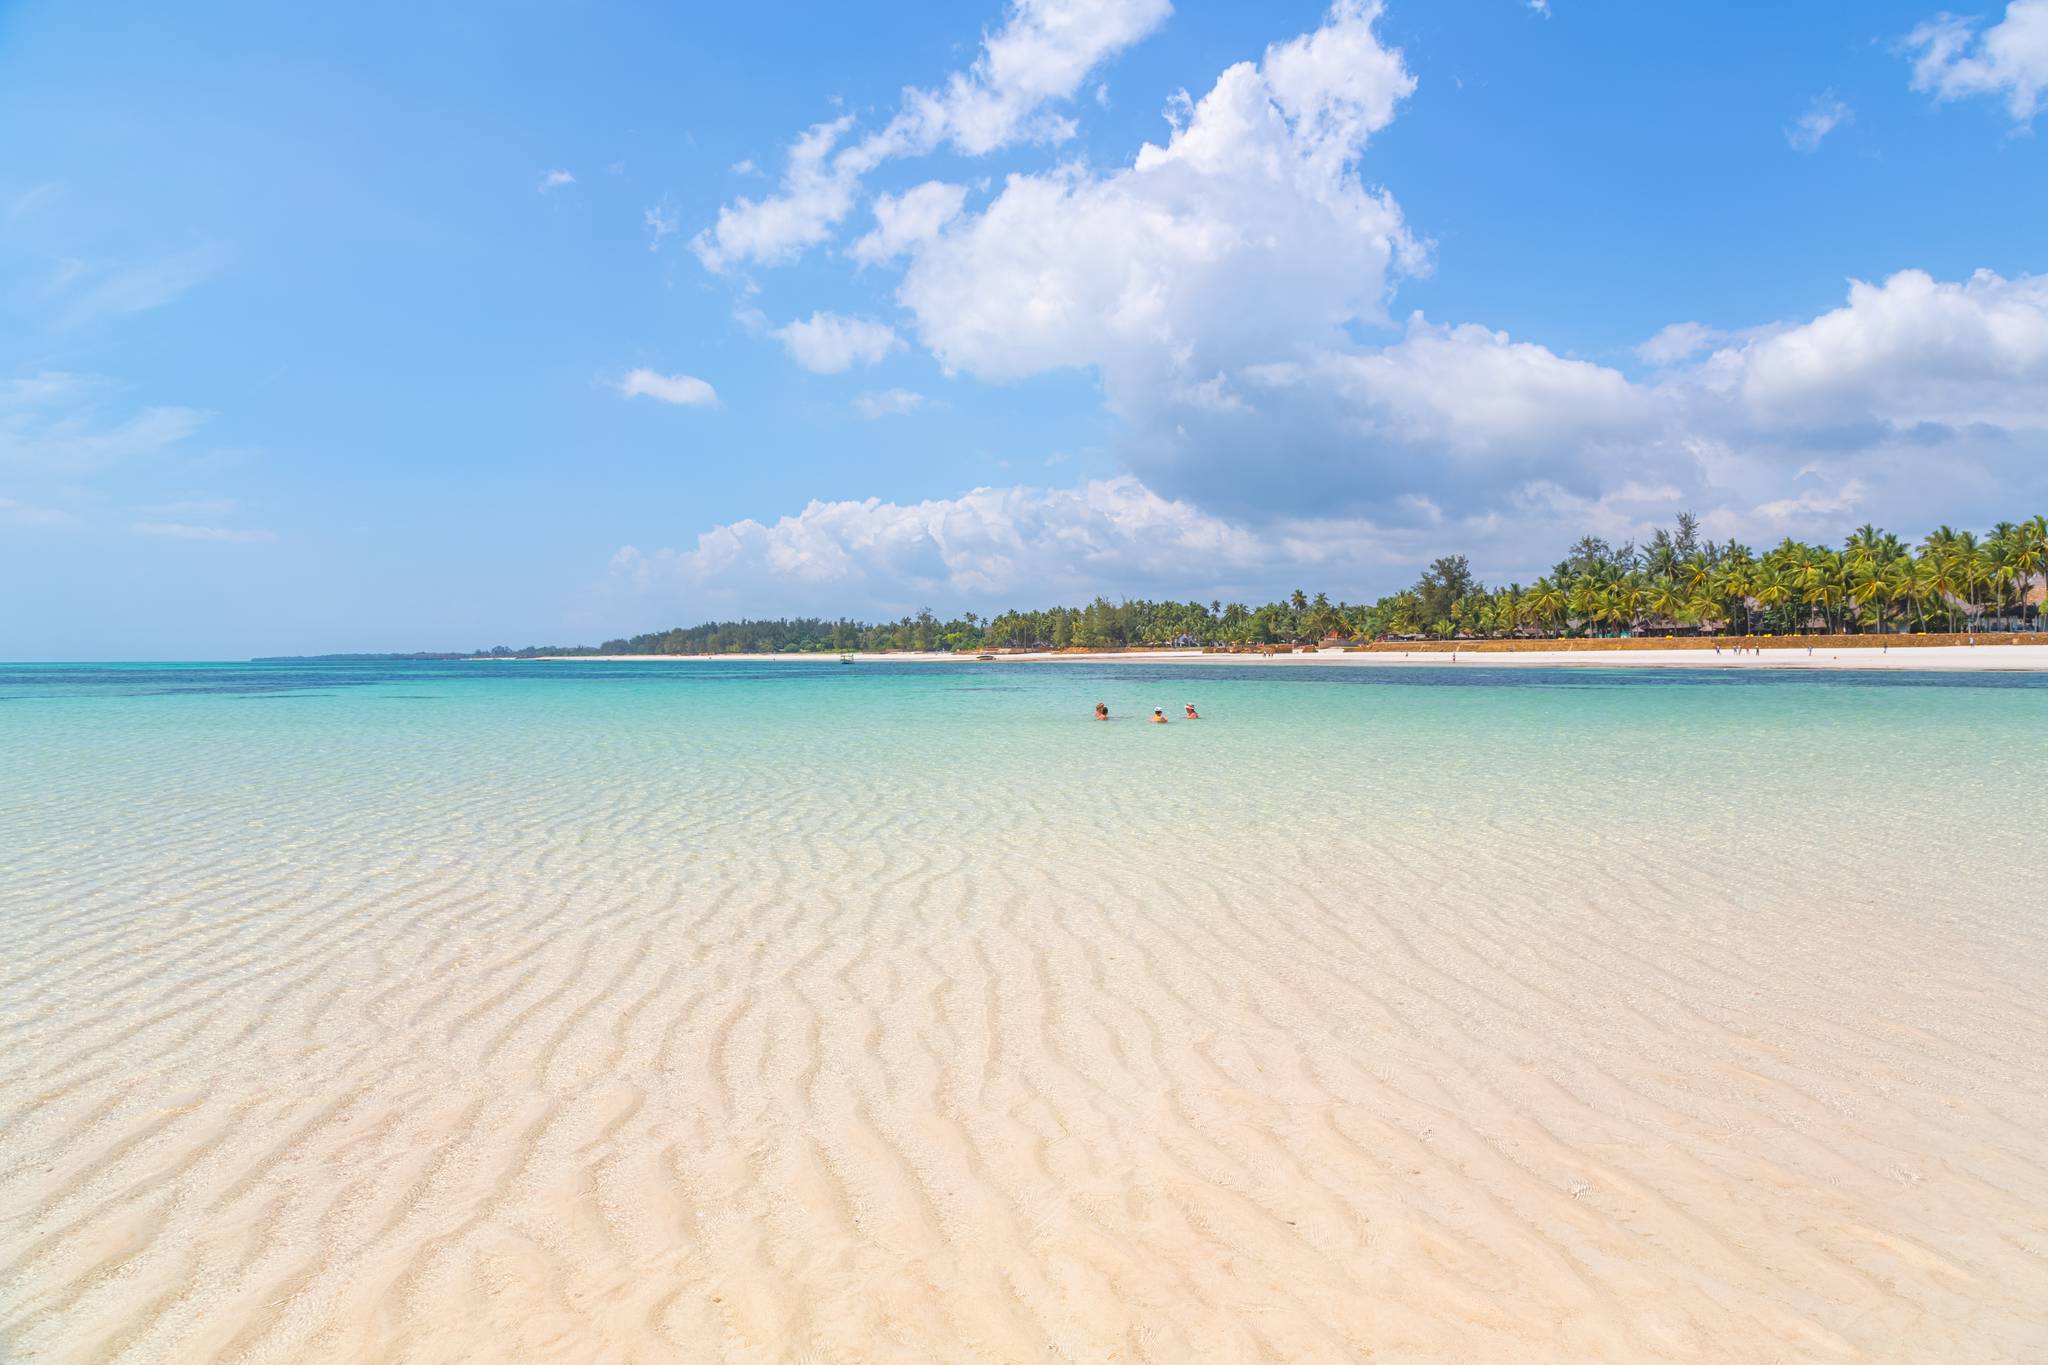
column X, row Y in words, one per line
column 1705, row 610
column 1733, row 582
column 1939, row 579
column 1867, row 590
column 1666, row 599
column 1586, row 604
column 1774, row 588
column 1507, row 608
column 1545, row 604
column 1819, row 580
column 2030, row 555
column 1897, row 581
column 1625, row 603
column 2000, row 573
column 1868, row 540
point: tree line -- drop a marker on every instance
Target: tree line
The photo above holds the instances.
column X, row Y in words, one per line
column 1676, row 582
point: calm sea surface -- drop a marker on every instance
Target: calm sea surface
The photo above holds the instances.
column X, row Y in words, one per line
column 1745, row 769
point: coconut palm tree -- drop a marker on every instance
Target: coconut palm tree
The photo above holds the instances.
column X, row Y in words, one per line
column 1545, row 604
column 1774, row 588
column 1705, row 610
column 1866, row 588
column 1940, row 579
column 1665, row 598
column 1734, row 582
column 1507, row 609
column 1585, row 604
column 2030, row 555
column 1896, row 580
column 1940, row 539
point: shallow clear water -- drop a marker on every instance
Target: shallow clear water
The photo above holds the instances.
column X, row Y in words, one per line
column 1752, row 769
column 708, row 1008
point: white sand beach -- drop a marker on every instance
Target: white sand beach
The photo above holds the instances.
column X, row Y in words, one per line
column 906, row 1018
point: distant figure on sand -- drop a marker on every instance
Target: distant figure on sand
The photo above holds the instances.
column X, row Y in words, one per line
column 1192, row 713
column 1159, row 715
column 1101, row 711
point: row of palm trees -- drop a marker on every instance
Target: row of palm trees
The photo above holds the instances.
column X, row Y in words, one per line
column 1953, row 581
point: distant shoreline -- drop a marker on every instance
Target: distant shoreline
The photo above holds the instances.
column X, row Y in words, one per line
column 1986, row 657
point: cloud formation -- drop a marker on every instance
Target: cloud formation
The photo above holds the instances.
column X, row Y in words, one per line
column 1249, row 231
column 906, row 221
column 1906, row 353
column 973, row 548
column 51, row 428
column 1230, row 287
column 1822, row 117
column 682, row 389
column 1218, row 284
column 1466, row 439
column 1954, row 60
column 832, row 343
column 1040, row 55
column 888, row 403
column 91, row 294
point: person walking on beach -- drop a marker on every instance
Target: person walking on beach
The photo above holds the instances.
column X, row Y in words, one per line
column 1159, row 715
column 1101, row 710
column 1192, row 713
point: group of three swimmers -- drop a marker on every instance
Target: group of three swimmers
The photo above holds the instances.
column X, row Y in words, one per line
column 1158, row 713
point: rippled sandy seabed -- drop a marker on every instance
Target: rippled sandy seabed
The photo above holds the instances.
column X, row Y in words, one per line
column 701, row 1013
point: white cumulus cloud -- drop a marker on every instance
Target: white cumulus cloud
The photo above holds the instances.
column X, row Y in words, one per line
column 1468, row 388
column 1912, row 350
column 817, row 192
column 1248, row 233
column 974, row 548
column 682, row 389
column 1954, row 60
column 904, row 222
column 831, row 343
column 1040, row 55
column 1679, row 341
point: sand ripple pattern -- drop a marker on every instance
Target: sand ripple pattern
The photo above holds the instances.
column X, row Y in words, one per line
column 374, row 1036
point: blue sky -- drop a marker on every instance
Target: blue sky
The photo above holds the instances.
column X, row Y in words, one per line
column 410, row 327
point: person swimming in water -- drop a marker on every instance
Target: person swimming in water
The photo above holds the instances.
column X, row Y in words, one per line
column 1101, row 710
column 1159, row 715
column 1192, row 713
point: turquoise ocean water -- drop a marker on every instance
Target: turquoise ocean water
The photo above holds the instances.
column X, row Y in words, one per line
column 1748, row 767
